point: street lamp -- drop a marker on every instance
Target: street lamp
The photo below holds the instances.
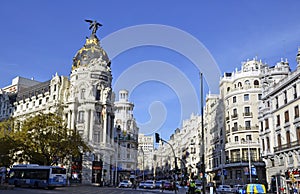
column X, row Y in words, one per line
column 118, row 130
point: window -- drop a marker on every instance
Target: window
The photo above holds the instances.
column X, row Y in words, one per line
column 276, row 102
column 286, row 116
column 235, row 126
column 298, row 134
column 291, row 159
column 288, row 138
column 296, row 110
column 248, row 137
column 259, row 96
column 97, row 137
column 278, row 120
column 256, row 83
column 98, row 94
column 236, row 138
column 82, row 94
column 246, row 97
column 279, row 140
column 285, row 97
column 248, row 124
column 295, row 91
column 234, row 112
column 266, row 124
column 263, row 145
column 234, row 99
column 81, row 117
column 268, row 143
column 98, row 117
column 247, row 111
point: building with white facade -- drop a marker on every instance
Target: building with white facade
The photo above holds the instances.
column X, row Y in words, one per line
column 239, row 148
column 8, row 95
column 280, row 125
column 85, row 101
column 214, row 141
column 145, row 154
column 126, row 136
column 186, row 145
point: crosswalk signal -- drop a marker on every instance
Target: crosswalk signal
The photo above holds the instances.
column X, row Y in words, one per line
column 157, row 138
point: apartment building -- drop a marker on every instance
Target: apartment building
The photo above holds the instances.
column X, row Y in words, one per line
column 240, row 93
column 280, row 124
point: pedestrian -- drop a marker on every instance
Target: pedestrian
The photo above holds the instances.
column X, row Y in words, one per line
column 162, row 186
column 192, row 187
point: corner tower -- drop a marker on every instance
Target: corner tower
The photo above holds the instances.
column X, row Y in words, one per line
column 90, row 106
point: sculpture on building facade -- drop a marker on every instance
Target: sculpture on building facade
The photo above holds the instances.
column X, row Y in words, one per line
column 94, row 26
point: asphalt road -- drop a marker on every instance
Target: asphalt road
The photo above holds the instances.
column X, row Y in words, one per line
column 83, row 189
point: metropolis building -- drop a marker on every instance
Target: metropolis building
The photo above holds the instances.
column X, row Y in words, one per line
column 86, row 101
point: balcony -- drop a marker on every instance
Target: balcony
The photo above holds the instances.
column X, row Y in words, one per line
column 287, row 147
column 247, row 114
column 234, row 116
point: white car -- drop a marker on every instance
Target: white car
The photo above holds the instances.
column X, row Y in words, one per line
column 149, row 184
column 125, row 184
column 224, row 189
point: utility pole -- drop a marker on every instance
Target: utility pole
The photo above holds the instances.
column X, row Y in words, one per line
column 202, row 137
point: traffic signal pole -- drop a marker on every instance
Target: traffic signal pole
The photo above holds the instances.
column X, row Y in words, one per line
column 157, row 139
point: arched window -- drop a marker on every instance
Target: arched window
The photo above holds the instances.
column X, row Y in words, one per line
column 256, row 83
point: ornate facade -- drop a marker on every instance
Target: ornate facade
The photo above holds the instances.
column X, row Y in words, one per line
column 86, row 102
column 280, row 124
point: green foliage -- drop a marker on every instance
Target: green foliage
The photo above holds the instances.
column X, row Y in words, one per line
column 7, row 143
column 43, row 139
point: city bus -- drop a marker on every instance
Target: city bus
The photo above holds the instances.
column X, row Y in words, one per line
column 33, row 175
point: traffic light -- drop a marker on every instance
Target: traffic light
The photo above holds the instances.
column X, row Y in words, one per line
column 157, row 138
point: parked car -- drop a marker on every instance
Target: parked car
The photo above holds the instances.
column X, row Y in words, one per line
column 168, row 186
column 237, row 188
column 142, row 184
column 223, row 189
column 158, row 184
column 125, row 184
column 149, row 184
column 253, row 189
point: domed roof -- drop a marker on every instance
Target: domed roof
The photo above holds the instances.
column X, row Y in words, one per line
column 91, row 50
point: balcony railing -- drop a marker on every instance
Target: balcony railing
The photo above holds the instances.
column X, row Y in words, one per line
column 240, row 160
column 234, row 116
column 287, row 146
column 247, row 114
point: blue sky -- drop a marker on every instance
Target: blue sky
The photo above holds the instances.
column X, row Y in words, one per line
column 40, row 38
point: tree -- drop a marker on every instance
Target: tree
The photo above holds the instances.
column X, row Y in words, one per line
column 45, row 139
column 7, row 143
